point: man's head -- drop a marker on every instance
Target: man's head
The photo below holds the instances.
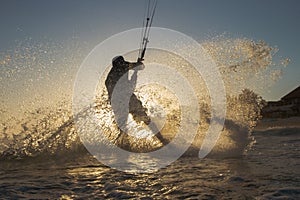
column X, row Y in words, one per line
column 119, row 60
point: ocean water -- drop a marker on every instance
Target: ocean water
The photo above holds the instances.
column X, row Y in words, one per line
column 270, row 169
column 42, row 156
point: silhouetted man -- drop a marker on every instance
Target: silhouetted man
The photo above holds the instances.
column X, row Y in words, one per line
column 119, row 76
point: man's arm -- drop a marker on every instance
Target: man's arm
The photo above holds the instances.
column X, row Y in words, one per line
column 136, row 65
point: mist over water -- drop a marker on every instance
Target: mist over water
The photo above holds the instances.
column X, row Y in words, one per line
column 36, row 81
column 36, row 74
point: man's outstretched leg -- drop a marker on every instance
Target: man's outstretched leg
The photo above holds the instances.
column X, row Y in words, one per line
column 139, row 114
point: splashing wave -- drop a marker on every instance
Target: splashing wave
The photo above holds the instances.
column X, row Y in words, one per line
column 47, row 127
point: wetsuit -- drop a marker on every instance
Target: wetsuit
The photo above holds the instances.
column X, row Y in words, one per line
column 119, row 69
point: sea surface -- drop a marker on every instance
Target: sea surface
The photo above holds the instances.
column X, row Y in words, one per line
column 269, row 170
column 41, row 156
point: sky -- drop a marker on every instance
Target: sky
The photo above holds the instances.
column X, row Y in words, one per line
column 274, row 21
